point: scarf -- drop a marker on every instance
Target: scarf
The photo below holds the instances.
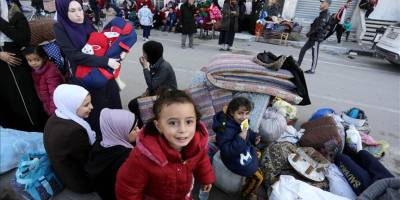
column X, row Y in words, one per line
column 77, row 33
column 67, row 99
column 115, row 126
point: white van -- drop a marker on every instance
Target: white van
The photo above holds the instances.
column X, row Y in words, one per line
column 389, row 45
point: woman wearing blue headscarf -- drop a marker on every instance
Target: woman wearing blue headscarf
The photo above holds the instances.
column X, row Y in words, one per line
column 72, row 32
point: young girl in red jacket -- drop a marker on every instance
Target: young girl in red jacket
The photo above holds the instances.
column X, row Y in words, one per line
column 46, row 76
column 170, row 153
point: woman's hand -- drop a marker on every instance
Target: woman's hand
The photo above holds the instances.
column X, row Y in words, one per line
column 10, row 58
column 145, row 64
column 113, row 63
column 133, row 134
column 206, row 188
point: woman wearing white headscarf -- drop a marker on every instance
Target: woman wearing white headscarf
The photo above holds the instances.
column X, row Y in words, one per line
column 119, row 130
column 20, row 107
column 68, row 137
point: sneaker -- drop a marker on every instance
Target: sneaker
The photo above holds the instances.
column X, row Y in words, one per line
column 144, row 39
column 221, row 49
column 183, row 46
column 191, row 47
column 228, row 49
column 309, row 71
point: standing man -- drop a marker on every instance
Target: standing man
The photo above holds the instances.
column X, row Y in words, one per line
column 316, row 35
column 337, row 22
column 187, row 22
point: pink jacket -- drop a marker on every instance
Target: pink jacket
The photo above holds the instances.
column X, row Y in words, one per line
column 46, row 79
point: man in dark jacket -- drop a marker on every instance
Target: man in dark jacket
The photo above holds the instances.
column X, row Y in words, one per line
column 316, row 35
column 187, row 22
column 158, row 73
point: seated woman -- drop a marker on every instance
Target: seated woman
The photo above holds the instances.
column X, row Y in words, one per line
column 119, row 130
column 158, row 74
column 68, row 138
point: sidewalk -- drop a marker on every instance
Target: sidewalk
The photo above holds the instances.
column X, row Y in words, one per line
column 329, row 45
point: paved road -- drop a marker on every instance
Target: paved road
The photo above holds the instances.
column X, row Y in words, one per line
column 340, row 83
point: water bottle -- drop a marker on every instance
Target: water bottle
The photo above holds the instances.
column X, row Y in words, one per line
column 203, row 195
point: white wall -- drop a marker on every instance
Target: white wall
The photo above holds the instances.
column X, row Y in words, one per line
column 387, row 10
column 289, row 9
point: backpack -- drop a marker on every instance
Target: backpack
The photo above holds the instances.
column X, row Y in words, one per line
column 35, row 179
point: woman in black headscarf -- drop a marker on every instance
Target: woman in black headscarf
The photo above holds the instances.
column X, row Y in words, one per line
column 158, row 74
column 20, row 107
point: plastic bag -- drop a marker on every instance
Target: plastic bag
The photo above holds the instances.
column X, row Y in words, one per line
column 272, row 126
column 15, row 143
column 290, row 188
column 35, row 178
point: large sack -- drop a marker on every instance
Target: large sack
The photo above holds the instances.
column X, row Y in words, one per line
column 322, row 134
column 272, row 126
column 226, row 180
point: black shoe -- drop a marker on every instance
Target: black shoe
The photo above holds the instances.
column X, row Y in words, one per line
column 229, row 49
column 309, row 71
column 221, row 49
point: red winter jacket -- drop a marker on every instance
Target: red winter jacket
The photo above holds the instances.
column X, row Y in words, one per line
column 46, row 79
column 154, row 170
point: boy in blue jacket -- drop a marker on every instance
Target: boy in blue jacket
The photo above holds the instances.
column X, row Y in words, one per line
column 236, row 143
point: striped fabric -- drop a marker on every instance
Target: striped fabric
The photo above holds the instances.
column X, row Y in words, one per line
column 146, row 108
column 239, row 73
column 202, row 98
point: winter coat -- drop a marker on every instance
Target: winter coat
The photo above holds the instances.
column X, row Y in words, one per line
column 67, row 145
column 46, row 79
column 160, row 75
column 187, row 18
column 20, row 107
column 215, row 13
column 238, row 155
column 102, row 168
column 227, row 16
column 145, row 16
column 319, row 27
column 155, row 170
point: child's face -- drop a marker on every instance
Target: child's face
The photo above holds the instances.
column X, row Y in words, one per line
column 35, row 61
column 177, row 122
column 240, row 114
column 85, row 108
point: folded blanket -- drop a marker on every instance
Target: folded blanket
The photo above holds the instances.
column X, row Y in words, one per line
column 240, row 73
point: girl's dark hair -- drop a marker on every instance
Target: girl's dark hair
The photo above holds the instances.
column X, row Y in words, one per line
column 168, row 97
column 38, row 50
column 237, row 102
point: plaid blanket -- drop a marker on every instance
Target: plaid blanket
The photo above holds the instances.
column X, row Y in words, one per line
column 240, row 73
